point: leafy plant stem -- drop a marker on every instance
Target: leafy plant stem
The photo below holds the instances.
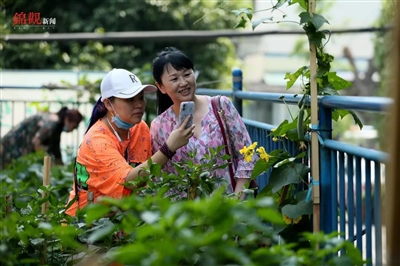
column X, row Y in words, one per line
column 282, row 21
column 287, row 107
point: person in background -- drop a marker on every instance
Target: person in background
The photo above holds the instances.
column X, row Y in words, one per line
column 41, row 131
column 173, row 72
column 116, row 145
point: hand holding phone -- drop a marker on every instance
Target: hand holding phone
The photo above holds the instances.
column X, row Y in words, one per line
column 186, row 109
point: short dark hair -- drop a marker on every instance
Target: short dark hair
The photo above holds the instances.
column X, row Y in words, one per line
column 178, row 60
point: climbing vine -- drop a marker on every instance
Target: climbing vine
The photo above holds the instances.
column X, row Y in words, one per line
column 289, row 172
column 328, row 82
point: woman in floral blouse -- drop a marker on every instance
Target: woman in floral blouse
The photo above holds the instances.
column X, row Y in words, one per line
column 39, row 132
column 174, row 74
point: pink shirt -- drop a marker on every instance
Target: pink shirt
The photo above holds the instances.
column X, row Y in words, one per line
column 210, row 136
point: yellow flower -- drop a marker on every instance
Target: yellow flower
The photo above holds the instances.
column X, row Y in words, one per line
column 287, row 219
column 275, row 139
column 297, row 220
column 263, row 154
column 283, row 136
column 290, row 220
column 248, row 151
column 272, row 130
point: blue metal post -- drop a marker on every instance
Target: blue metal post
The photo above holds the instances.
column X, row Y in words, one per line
column 326, row 211
column 237, row 77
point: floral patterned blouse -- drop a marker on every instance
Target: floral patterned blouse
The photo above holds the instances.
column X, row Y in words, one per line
column 210, row 136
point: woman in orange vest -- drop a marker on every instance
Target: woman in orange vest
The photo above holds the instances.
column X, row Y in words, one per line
column 117, row 143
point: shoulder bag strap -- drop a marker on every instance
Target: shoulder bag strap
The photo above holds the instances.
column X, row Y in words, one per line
column 215, row 102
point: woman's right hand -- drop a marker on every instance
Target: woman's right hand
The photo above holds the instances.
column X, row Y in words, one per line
column 180, row 136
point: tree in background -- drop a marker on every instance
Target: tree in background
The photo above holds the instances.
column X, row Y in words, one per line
column 213, row 58
column 383, row 44
column 383, row 61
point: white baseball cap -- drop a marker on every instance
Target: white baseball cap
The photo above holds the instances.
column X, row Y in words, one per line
column 123, row 84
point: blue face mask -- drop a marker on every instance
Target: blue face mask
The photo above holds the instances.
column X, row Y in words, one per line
column 120, row 123
column 65, row 129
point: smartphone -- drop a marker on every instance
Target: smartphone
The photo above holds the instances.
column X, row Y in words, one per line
column 187, row 108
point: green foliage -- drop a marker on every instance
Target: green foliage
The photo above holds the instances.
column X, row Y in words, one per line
column 26, row 174
column 213, row 58
column 289, row 173
column 288, row 176
column 328, row 83
column 147, row 228
column 194, row 180
column 383, row 43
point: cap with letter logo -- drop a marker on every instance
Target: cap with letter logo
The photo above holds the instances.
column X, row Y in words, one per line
column 121, row 83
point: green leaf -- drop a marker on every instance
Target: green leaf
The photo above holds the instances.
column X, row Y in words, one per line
column 283, row 162
column 247, row 11
column 280, row 3
column 255, row 23
column 181, row 171
column 53, row 200
column 302, row 3
column 241, row 24
column 337, row 82
column 44, row 225
column 299, row 209
column 155, row 169
column 293, row 77
column 301, row 195
column 341, row 113
column 95, row 211
column 316, row 37
column 328, row 90
column 265, row 192
column 356, row 119
column 304, row 17
column 278, row 130
column 316, row 19
column 290, row 173
column 270, row 215
column 100, row 233
column 259, row 167
column 285, row 128
column 150, row 217
column 266, row 202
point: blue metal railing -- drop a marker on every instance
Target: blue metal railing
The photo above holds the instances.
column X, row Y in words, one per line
column 350, row 177
column 346, row 171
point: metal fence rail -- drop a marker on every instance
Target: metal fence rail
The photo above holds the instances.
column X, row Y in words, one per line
column 351, row 182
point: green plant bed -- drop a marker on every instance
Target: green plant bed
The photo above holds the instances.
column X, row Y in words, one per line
column 211, row 228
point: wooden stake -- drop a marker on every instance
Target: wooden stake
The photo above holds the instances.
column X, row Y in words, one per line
column 314, row 134
column 392, row 197
column 46, row 180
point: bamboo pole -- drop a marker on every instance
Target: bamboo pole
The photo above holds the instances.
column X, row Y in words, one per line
column 314, row 134
column 46, row 180
column 393, row 181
